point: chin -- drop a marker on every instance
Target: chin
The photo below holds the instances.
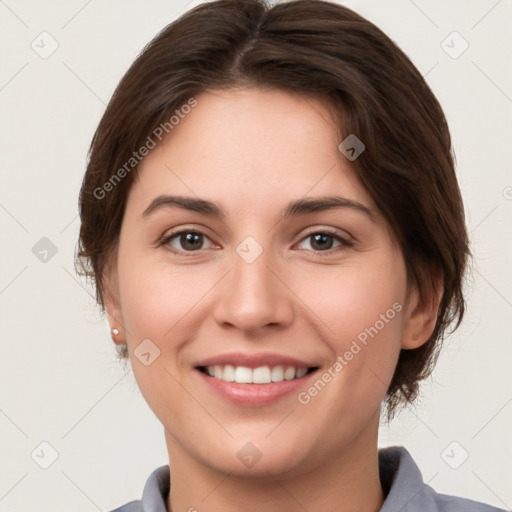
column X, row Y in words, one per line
column 259, row 456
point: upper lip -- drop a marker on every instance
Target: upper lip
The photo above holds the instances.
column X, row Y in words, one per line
column 253, row 360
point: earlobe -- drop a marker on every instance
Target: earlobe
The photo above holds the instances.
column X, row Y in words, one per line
column 421, row 314
column 112, row 308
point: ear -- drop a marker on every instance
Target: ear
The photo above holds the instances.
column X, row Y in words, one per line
column 112, row 304
column 421, row 311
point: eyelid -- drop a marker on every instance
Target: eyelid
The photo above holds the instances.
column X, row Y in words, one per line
column 345, row 241
column 329, row 231
column 169, row 235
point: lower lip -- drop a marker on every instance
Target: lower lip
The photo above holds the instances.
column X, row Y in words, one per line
column 254, row 394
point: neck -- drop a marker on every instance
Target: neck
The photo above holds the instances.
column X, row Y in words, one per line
column 349, row 480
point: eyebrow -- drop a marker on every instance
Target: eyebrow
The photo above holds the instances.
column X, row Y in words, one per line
column 298, row 207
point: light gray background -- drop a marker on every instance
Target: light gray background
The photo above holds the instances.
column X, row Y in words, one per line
column 59, row 380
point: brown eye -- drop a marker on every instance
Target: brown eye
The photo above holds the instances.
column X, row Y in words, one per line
column 323, row 241
column 185, row 241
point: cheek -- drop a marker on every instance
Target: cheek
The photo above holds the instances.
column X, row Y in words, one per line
column 157, row 299
column 349, row 301
column 361, row 312
column 159, row 304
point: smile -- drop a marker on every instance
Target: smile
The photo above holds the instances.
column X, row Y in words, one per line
column 260, row 375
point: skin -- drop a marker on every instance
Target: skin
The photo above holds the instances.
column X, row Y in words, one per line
column 252, row 151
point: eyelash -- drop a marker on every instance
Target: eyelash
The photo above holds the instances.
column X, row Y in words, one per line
column 344, row 242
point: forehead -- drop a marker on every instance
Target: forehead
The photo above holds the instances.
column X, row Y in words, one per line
column 250, row 145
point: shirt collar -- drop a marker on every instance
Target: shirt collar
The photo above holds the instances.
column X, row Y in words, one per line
column 402, row 482
column 156, row 491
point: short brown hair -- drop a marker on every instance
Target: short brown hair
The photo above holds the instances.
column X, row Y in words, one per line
column 317, row 48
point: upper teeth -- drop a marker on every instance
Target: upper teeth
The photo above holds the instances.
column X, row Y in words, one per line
column 260, row 375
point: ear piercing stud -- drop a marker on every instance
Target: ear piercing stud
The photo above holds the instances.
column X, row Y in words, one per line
column 115, row 331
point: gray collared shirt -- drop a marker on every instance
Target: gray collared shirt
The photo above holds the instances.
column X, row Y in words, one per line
column 400, row 477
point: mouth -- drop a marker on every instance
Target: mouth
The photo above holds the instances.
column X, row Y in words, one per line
column 260, row 375
column 253, row 380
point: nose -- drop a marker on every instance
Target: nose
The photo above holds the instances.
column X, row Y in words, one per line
column 254, row 296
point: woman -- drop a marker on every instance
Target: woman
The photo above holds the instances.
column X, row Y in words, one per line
column 272, row 219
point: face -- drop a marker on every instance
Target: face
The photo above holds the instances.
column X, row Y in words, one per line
column 305, row 308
